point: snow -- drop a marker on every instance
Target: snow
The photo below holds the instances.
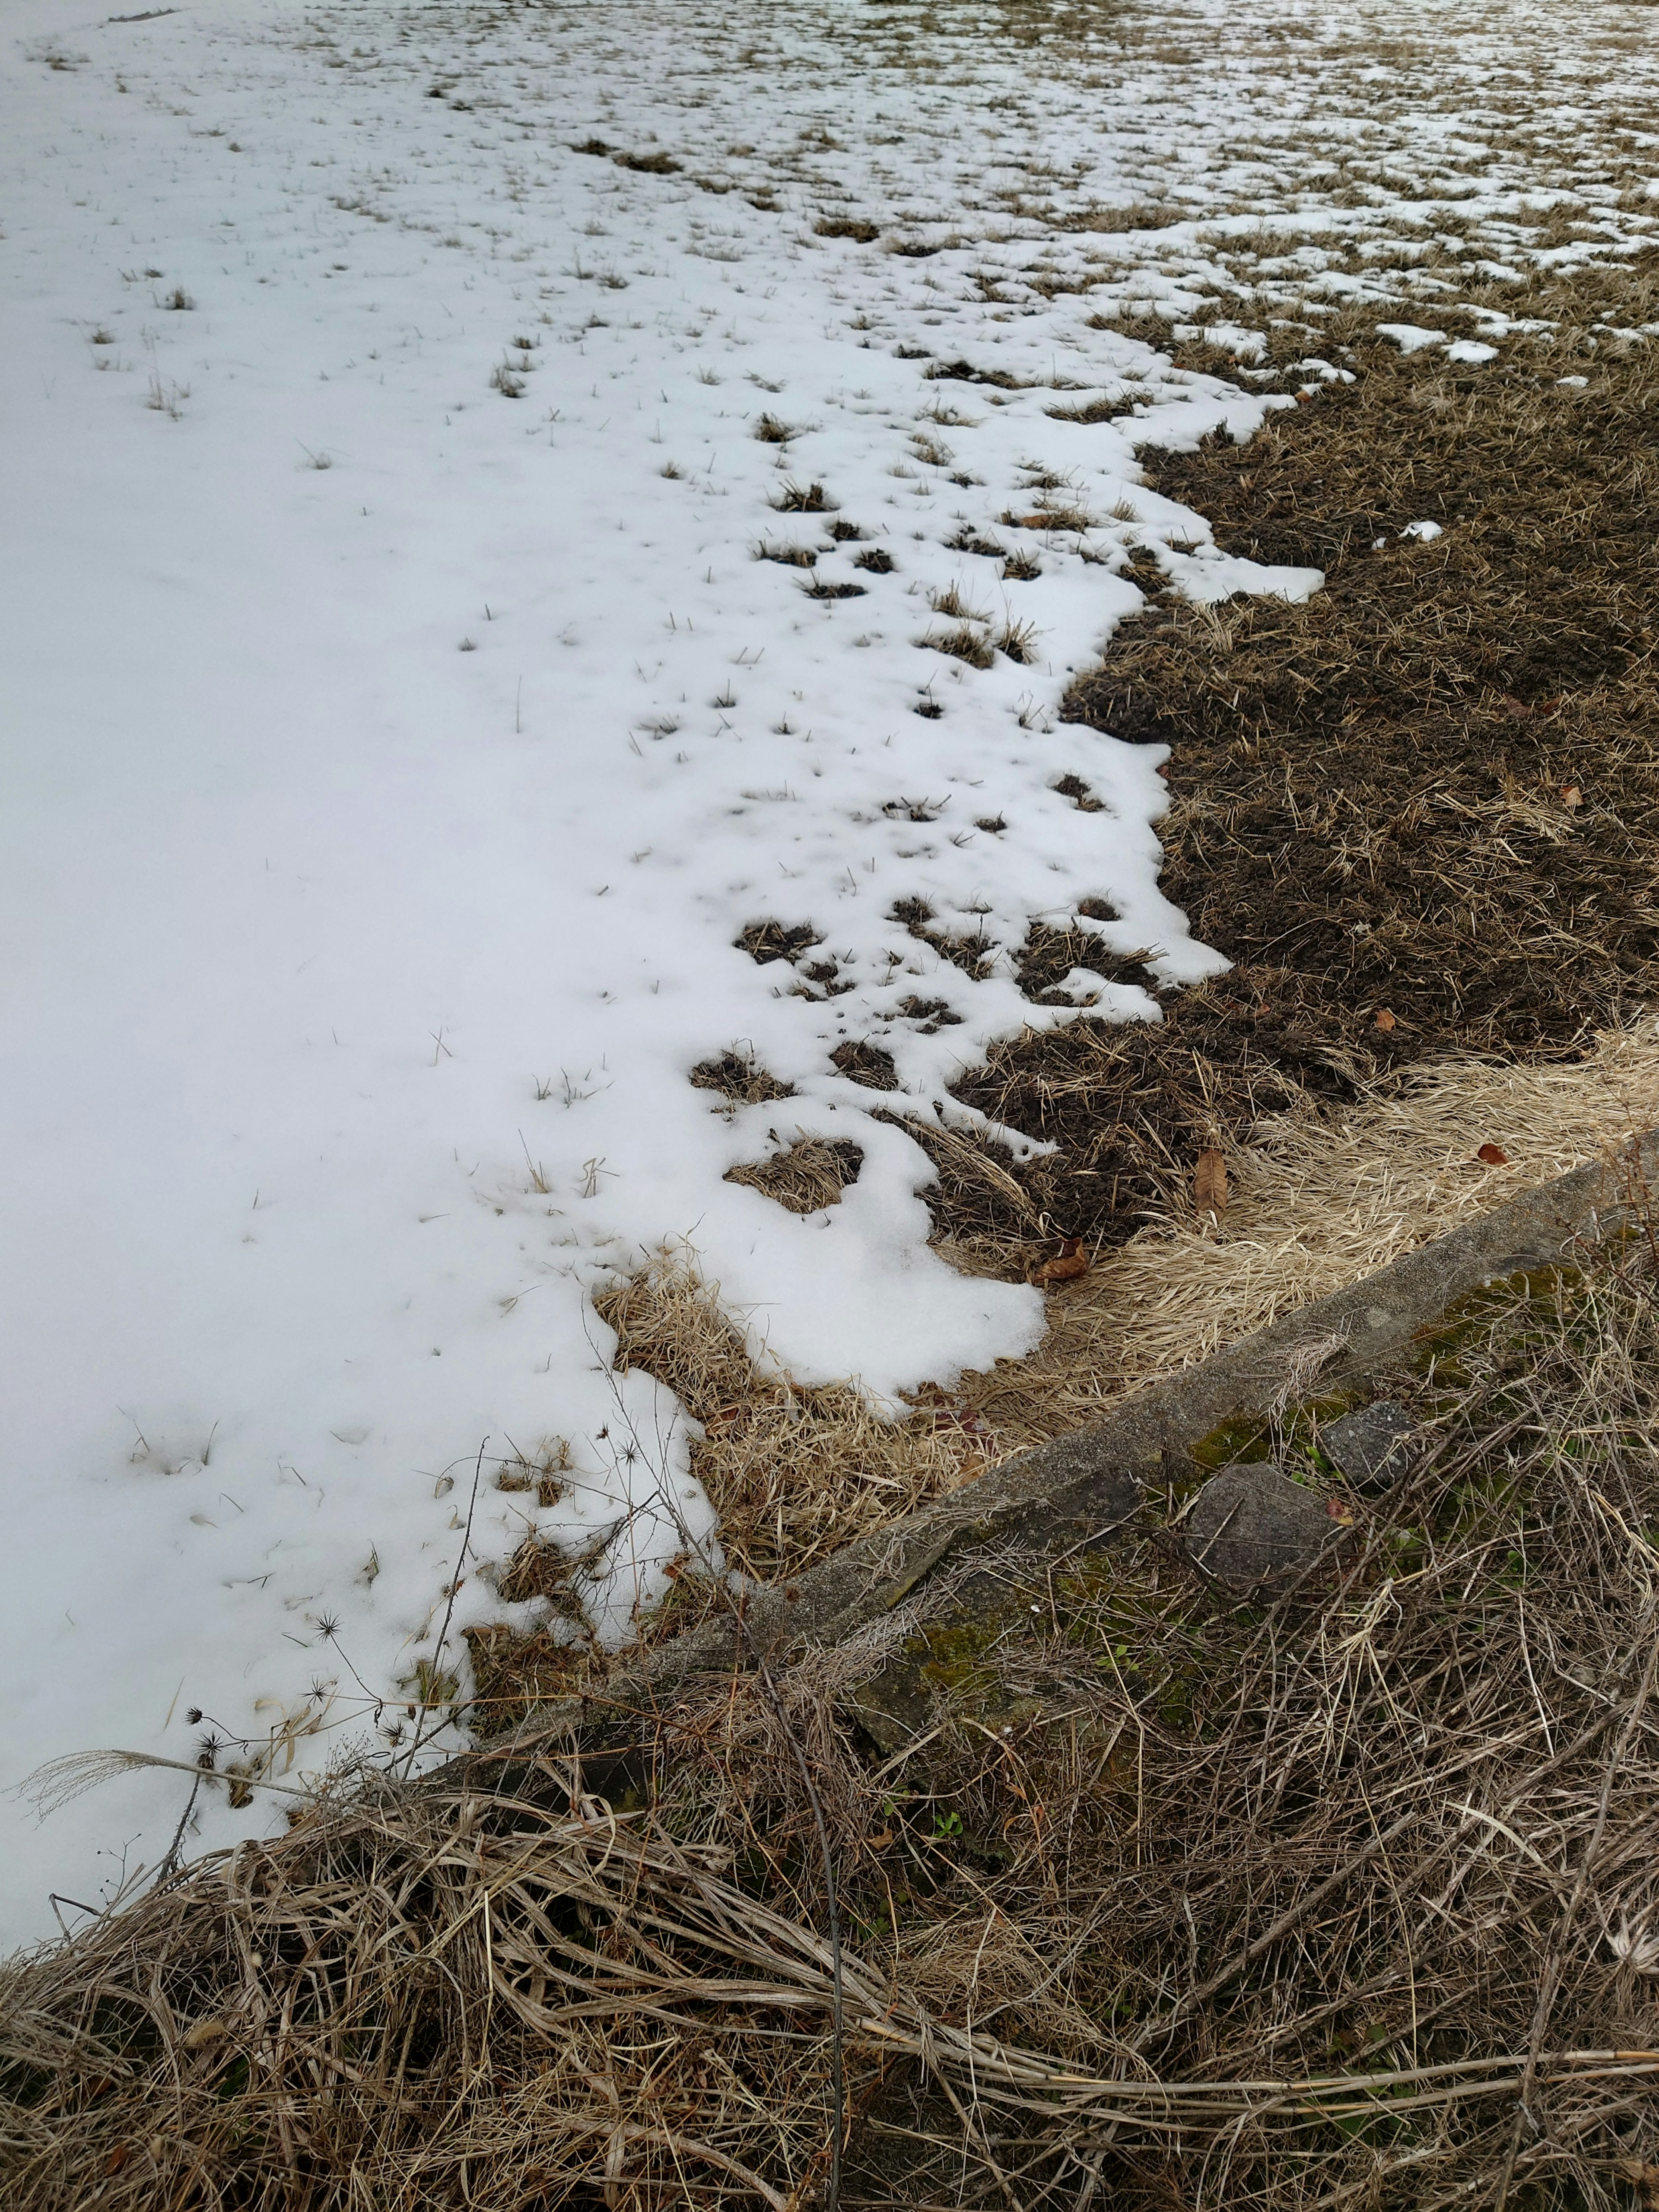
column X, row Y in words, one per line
column 402, row 728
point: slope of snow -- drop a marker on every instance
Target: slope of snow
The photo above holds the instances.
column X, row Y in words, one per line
column 402, row 724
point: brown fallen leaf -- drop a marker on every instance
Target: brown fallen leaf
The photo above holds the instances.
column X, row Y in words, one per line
column 1071, row 1261
column 1383, row 1019
column 1493, row 1155
column 1571, row 797
column 1210, row 1182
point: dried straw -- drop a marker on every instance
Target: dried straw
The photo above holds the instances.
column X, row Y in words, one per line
column 1350, row 1897
column 1317, row 1201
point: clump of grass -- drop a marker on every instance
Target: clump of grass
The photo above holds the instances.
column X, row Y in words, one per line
column 963, row 371
column 1017, row 639
column 1133, row 215
column 821, row 588
column 950, row 601
column 792, row 498
column 871, row 1065
column 1049, row 513
column 777, row 940
column 847, row 226
column 792, row 1472
column 739, row 1077
column 772, row 432
column 805, row 1176
column 791, row 557
column 167, row 399
column 961, row 643
column 1092, row 410
column 876, row 560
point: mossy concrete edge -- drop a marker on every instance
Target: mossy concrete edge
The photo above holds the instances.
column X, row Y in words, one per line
column 1076, row 1487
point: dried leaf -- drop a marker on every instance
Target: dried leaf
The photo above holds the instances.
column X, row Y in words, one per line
column 1071, row 1261
column 1210, row 1182
column 1493, row 1155
column 1571, row 797
column 1384, row 1020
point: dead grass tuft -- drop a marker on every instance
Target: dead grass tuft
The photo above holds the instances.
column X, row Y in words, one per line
column 803, row 499
column 739, row 1077
column 792, row 1472
column 869, row 1064
column 847, row 226
column 809, row 1175
column 777, row 940
column 961, row 643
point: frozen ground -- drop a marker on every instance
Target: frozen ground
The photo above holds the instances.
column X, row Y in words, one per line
column 404, row 720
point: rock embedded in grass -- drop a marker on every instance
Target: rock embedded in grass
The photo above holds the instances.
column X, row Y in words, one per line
column 1365, row 1445
column 1251, row 1524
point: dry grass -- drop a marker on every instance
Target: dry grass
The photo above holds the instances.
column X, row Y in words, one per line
column 1420, row 811
column 961, row 643
column 738, row 1077
column 1316, row 1201
column 1175, row 1900
column 793, row 1473
column 807, row 1175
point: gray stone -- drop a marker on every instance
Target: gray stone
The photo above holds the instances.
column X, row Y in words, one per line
column 1366, row 1444
column 1251, row 1524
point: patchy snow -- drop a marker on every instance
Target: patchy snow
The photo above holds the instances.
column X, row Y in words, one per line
column 407, row 709
column 1412, row 338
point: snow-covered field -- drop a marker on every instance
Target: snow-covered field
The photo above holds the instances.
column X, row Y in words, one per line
column 404, row 719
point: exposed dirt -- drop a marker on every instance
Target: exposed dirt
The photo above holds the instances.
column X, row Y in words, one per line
column 1420, row 811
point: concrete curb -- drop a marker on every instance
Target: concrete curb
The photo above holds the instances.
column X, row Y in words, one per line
column 1059, row 1493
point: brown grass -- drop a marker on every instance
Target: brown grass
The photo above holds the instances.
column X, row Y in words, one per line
column 807, row 1175
column 1316, row 1201
column 739, row 1077
column 1420, row 812
column 961, row 643
column 793, row 1473
column 1166, row 1897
